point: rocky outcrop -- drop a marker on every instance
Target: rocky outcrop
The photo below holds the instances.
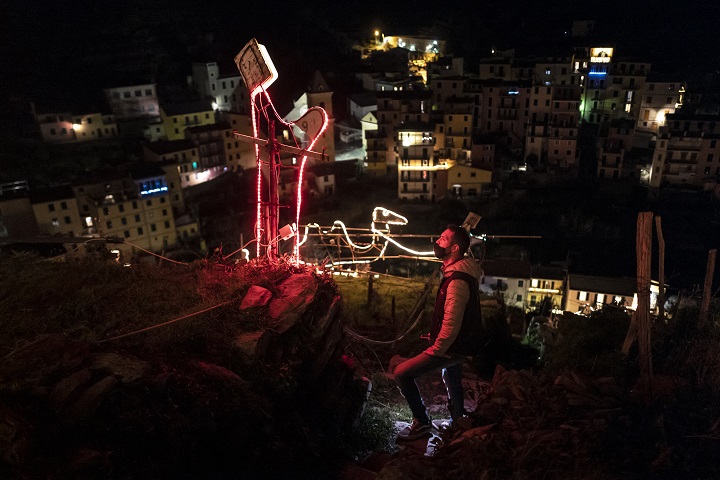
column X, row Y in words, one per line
column 112, row 406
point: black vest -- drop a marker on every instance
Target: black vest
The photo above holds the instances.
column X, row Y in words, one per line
column 470, row 338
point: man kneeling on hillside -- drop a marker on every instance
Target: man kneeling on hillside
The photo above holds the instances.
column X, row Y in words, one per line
column 453, row 332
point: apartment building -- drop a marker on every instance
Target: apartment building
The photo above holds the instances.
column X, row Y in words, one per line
column 239, row 155
column 178, row 117
column 136, row 208
column 71, row 128
column 133, row 101
column 226, row 91
column 56, row 211
column 396, row 108
column 590, row 292
column 212, row 146
column 660, row 98
column 614, row 141
column 418, row 162
column 376, row 153
column 687, row 150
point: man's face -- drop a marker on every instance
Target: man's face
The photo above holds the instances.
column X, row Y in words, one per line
column 446, row 241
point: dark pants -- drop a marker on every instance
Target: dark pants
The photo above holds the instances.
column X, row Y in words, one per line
column 409, row 370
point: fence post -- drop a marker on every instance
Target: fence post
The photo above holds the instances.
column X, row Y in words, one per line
column 661, row 267
column 707, row 289
column 642, row 314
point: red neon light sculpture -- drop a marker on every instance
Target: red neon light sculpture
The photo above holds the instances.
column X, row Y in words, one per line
column 258, row 72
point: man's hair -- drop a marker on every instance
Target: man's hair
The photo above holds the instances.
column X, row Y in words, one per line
column 461, row 237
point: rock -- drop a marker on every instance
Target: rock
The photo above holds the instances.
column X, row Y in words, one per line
column 37, row 362
column 332, row 315
column 66, row 387
column 295, row 294
column 251, row 346
column 125, row 368
column 256, row 296
column 15, row 437
column 91, row 398
column 220, row 373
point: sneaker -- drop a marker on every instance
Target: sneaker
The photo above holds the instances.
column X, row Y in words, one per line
column 415, row 430
column 442, row 425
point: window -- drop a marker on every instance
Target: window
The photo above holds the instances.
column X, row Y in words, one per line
column 138, row 93
column 137, row 218
column 153, row 228
column 51, row 207
column 63, row 205
column 126, row 94
column 126, row 233
column 518, row 298
column 582, row 296
column 520, row 283
column 108, row 224
column 67, row 220
column 121, row 207
column 123, row 220
column 149, row 203
column 167, row 224
column 148, row 92
column 140, row 230
column 164, row 212
column 106, row 211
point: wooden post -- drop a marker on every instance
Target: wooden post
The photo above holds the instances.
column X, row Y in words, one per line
column 631, row 335
column 661, row 268
column 370, row 289
column 707, row 288
column 643, row 249
column 392, row 310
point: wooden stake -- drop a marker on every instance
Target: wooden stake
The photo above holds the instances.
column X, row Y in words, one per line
column 643, row 251
column 707, row 289
column 370, row 288
column 631, row 335
column 661, row 268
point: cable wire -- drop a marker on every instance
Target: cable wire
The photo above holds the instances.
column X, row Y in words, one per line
column 146, row 329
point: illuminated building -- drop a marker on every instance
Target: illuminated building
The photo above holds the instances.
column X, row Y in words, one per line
column 69, row 128
column 394, row 108
column 464, row 181
column 133, row 101
column 227, row 92
column 687, row 151
column 136, row 208
column 612, row 86
column 585, row 293
column 212, row 142
column 56, row 211
column 238, row 155
column 177, row 117
column 659, row 99
column 505, row 111
column 376, row 151
column 419, row 162
column 508, row 279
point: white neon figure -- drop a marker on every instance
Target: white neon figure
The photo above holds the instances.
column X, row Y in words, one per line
column 381, row 237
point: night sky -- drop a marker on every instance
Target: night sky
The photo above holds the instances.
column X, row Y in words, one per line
column 61, row 54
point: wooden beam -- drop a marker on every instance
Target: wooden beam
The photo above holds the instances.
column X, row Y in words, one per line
column 300, row 152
